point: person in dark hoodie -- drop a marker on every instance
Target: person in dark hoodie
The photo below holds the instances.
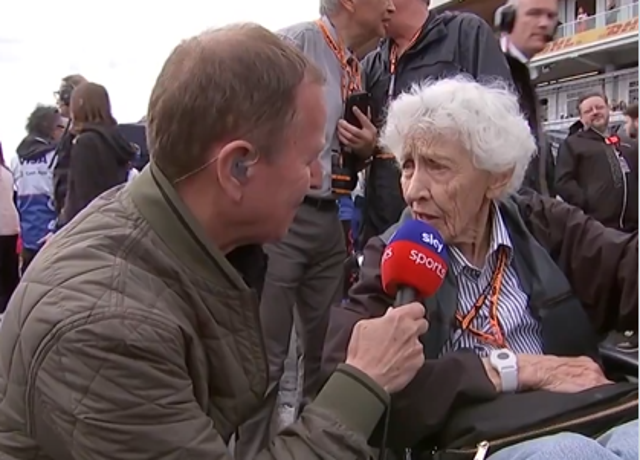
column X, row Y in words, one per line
column 421, row 45
column 33, row 176
column 101, row 157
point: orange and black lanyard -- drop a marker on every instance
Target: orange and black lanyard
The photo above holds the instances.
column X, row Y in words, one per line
column 393, row 61
column 492, row 293
column 351, row 73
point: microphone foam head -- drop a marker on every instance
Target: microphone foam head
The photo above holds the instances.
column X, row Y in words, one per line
column 415, row 257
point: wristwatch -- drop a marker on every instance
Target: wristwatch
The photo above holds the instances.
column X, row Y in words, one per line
column 506, row 364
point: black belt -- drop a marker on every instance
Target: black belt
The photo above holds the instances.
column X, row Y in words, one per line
column 321, row 204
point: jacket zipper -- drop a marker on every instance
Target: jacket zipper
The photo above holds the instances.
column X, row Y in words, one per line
column 620, row 158
column 482, row 448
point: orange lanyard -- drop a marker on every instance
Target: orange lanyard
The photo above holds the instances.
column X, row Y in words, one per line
column 393, row 61
column 351, row 73
column 492, row 293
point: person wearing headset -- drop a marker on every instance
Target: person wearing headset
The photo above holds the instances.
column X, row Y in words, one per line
column 525, row 28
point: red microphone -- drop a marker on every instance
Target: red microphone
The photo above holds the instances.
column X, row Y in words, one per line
column 414, row 263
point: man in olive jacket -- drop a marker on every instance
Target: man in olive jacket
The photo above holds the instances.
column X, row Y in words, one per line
column 135, row 333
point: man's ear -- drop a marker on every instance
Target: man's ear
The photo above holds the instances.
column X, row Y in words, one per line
column 235, row 161
column 498, row 183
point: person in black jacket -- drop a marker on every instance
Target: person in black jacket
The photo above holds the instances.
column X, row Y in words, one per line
column 526, row 26
column 597, row 171
column 62, row 154
column 100, row 156
column 421, row 45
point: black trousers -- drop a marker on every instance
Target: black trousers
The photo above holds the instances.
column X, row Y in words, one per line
column 9, row 262
column 27, row 258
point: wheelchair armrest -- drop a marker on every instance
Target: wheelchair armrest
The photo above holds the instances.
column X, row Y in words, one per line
column 619, row 353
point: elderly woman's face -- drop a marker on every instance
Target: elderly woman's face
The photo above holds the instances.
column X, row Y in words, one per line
column 442, row 186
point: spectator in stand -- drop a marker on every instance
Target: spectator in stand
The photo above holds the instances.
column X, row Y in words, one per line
column 100, row 156
column 9, row 230
column 62, row 156
column 631, row 121
column 581, row 18
column 33, row 174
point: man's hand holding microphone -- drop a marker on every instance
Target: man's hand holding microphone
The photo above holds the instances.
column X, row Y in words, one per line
column 388, row 348
column 413, row 267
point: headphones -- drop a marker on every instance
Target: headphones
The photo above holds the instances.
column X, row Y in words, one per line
column 504, row 20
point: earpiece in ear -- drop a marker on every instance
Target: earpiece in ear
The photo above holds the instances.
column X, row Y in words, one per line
column 239, row 170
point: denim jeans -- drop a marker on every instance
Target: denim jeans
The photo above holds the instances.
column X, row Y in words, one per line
column 619, row 443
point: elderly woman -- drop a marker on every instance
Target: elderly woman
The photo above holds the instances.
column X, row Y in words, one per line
column 529, row 280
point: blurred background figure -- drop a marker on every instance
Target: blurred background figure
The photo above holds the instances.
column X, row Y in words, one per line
column 62, row 156
column 32, row 169
column 631, row 121
column 9, row 230
column 101, row 157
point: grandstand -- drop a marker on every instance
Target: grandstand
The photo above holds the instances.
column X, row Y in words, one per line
column 596, row 52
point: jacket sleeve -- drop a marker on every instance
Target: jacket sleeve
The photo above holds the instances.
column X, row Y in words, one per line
column 91, row 170
column 481, row 55
column 600, row 263
column 566, row 176
column 120, row 389
column 421, row 409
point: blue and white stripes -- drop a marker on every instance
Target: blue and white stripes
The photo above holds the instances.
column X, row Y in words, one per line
column 523, row 333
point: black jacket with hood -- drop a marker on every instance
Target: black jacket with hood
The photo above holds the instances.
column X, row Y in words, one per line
column 61, row 161
column 100, row 159
column 449, row 44
column 600, row 178
column 33, row 147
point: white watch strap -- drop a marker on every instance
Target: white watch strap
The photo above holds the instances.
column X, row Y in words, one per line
column 506, row 364
column 509, row 379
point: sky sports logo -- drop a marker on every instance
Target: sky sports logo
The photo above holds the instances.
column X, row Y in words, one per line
column 433, row 241
column 423, row 260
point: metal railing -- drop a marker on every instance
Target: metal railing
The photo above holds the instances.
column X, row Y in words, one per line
column 598, row 21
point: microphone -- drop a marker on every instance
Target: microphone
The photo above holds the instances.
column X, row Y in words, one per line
column 414, row 262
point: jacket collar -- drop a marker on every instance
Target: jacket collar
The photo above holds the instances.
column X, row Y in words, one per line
column 510, row 49
column 334, row 34
column 433, row 30
column 160, row 205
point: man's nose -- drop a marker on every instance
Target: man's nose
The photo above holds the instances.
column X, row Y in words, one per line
column 315, row 175
column 547, row 22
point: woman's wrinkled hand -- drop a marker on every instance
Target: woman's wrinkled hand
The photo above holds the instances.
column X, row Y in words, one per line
column 560, row 374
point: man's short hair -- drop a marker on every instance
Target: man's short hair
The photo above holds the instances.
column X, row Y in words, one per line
column 632, row 111
column 42, row 121
column 591, row 94
column 236, row 82
column 74, row 80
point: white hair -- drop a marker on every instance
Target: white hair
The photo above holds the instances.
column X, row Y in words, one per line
column 328, row 7
column 484, row 118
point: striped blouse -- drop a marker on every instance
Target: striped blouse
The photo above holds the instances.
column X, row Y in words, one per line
column 523, row 333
